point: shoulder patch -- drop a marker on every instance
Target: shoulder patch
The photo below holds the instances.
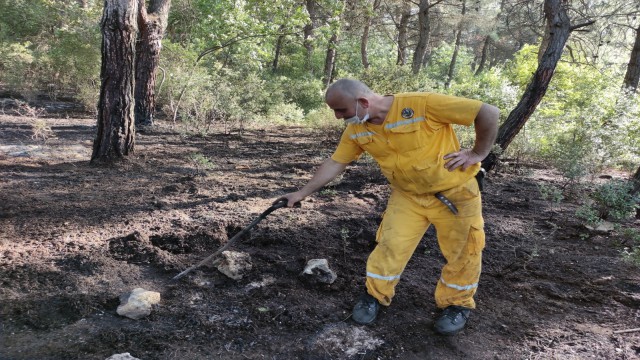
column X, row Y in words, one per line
column 407, row 113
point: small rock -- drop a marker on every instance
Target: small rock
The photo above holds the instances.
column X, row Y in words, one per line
column 318, row 269
column 137, row 304
column 235, row 264
column 123, row 356
column 603, row 228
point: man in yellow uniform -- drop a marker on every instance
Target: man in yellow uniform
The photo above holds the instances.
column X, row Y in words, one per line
column 432, row 181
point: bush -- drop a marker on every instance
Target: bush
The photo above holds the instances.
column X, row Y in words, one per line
column 285, row 114
column 583, row 111
column 323, row 118
column 632, row 253
column 611, row 201
column 390, row 78
column 306, row 92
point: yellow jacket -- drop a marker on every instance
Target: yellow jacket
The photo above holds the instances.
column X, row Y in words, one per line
column 410, row 144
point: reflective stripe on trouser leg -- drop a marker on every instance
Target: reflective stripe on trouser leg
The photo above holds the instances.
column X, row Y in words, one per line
column 461, row 239
column 403, row 225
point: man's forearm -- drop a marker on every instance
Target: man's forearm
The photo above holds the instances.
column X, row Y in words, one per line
column 325, row 173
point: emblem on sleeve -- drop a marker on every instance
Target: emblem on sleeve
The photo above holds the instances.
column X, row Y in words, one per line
column 407, row 113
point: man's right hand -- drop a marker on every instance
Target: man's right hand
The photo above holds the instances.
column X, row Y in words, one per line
column 327, row 172
column 293, row 199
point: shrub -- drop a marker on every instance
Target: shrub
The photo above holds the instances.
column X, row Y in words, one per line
column 610, row 201
column 323, row 118
column 285, row 114
column 631, row 253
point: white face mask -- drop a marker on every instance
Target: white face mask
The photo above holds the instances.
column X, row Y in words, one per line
column 355, row 119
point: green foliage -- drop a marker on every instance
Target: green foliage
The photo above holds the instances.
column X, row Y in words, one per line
column 611, row 201
column 49, row 46
column 583, row 124
column 589, row 214
column 15, row 60
column 438, row 67
column 286, row 114
column 390, row 78
column 201, row 163
column 306, row 92
column 491, row 86
column 550, row 193
column 323, row 118
column 631, row 253
column 572, row 155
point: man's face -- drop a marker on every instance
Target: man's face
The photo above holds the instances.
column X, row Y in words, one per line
column 342, row 106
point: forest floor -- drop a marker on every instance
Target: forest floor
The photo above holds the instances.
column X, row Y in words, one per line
column 74, row 237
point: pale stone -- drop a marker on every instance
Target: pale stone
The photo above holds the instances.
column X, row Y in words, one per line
column 603, row 227
column 123, row 356
column 235, row 264
column 318, row 269
column 137, row 304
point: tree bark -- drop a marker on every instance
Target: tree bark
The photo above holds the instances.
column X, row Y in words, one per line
column 456, row 48
column 636, row 189
column 424, row 34
column 152, row 24
column 560, row 29
column 402, row 35
column 330, row 59
column 276, row 56
column 115, row 137
column 364, row 40
column 483, row 56
column 308, row 32
column 632, row 77
column 636, row 182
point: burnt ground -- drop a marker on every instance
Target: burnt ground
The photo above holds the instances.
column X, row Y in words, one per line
column 74, row 237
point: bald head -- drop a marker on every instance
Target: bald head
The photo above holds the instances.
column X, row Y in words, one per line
column 348, row 88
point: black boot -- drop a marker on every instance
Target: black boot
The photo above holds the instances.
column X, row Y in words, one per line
column 452, row 320
column 366, row 310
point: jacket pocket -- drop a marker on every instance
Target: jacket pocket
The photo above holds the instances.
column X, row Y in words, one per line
column 407, row 137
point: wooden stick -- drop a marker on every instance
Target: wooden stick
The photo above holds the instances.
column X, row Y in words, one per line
column 626, row 331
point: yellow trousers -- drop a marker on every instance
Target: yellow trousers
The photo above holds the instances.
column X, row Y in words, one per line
column 460, row 237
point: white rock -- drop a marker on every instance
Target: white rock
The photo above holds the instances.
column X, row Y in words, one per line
column 235, row 264
column 123, row 356
column 137, row 304
column 319, row 270
column 603, row 227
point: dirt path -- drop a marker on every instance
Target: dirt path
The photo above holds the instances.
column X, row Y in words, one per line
column 74, row 237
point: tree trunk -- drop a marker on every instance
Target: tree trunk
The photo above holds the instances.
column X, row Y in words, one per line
column 330, row 59
column 456, row 48
column 422, row 47
column 636, row 189
column 276, row 56
column 402, row 35
column 308, row 33
column 152, row 25
column 364, row 40
column 483, row 56
column 636, row 182
column 561, row 28
column 632, row 76
column 116, row 131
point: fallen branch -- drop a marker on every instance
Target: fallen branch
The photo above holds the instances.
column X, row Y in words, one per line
column 626, row 331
